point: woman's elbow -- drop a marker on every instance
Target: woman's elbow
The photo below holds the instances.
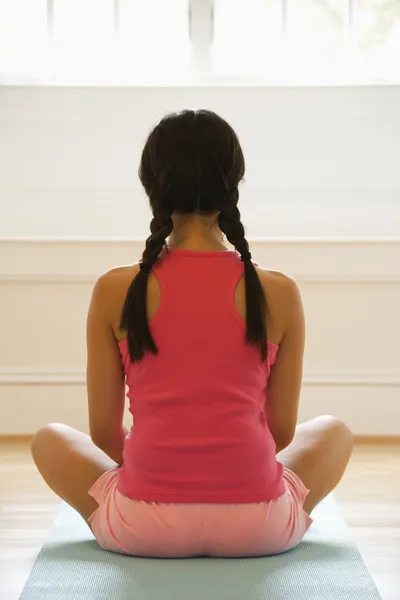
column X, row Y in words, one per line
column 111, row 446
column 283, row 442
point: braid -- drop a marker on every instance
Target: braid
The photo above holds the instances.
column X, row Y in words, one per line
column 229, row 222
column 134, row 314
column 161, row 227
column 192, row 163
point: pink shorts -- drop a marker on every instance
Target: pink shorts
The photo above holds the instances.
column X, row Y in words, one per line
column 173, row 530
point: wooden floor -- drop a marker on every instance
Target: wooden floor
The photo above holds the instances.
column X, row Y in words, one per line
column 369, row 496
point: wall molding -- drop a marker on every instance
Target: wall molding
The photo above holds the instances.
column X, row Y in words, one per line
column 56, row 279
column 359, row 439
column 317, row 261
column 19, row 375
column 326, row 241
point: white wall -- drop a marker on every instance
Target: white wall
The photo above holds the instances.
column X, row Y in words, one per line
column 321, row 163
column 351, row 295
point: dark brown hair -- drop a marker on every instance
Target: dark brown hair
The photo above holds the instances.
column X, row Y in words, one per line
column 192, row 163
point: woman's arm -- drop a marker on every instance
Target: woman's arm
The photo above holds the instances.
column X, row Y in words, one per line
column 284, row 384
column 104, row 375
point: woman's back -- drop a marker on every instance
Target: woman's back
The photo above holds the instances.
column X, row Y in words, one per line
column 199, row 405
column 273, row 282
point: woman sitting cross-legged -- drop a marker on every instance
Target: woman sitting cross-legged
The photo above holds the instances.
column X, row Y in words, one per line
column 210, row 345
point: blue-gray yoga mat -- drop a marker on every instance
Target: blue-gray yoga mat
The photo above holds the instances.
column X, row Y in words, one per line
column 325, row 566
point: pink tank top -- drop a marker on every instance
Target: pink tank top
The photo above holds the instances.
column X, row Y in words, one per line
column 199, row 430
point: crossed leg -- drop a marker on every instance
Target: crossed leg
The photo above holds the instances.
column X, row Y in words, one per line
column 70, row 463
column 319, row 454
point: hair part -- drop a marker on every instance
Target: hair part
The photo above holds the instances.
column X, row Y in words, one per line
column 192, row 163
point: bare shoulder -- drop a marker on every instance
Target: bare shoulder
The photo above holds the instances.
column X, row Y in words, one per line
column 110, row 292
column 118, row 276
column 277, row 283
column 283, row 298
column 113, row 285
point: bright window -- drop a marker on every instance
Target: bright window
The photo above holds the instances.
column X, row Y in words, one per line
column 247, row 42
column 377, row 30
column 185, row 41
column 153, row 39
column 23, row 39
column 94, row 41
column 316, row 41
column 82, row 39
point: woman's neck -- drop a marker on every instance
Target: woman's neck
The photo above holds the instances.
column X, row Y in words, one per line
column 195, row 232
